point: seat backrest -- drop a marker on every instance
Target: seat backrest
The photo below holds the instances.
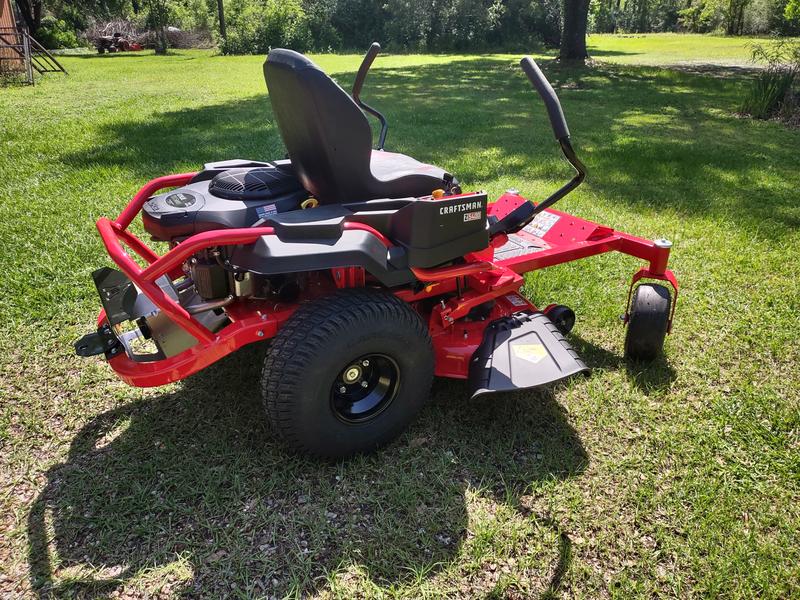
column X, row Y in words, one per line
column 328, row 138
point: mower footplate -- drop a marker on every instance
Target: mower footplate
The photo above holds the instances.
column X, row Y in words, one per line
column 103, row 341
column 521, row 351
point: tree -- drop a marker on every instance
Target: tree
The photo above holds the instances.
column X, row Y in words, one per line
column 158, row 13
column 31, row 11
column 221, row 12
column 734, row 16
column 791, row 12
column 573, row 30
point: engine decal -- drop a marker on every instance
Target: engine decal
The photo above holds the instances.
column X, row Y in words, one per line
column 266, row 211
column 180, row 199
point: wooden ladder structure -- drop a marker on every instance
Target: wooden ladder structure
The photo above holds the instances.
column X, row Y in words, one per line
column 20, row 52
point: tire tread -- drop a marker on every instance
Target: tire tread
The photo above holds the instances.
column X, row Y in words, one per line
column 295, row 345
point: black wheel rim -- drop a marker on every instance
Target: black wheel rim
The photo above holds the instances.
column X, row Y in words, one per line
column 365, row 388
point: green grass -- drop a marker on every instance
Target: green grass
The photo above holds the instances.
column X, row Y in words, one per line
column 672, row 49
column 678, row 480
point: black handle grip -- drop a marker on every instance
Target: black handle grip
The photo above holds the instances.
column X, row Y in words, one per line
column 369, row 58
column 539, row 81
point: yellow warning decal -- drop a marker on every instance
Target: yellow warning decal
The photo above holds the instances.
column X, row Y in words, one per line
column 530, row 352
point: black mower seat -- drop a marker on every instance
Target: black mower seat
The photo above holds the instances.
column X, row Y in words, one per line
column 329, row 139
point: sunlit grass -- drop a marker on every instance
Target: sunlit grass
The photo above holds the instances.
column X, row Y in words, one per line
column 672, row 48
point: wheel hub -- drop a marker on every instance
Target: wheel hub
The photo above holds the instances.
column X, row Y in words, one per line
column 352, row 374
column 365, row 388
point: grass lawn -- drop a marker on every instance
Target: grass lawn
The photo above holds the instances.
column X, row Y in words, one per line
column 673, row 49
column 679, row 480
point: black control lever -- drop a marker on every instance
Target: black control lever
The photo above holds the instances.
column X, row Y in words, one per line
column 540, row 83
column 525, row 213
column 369, row 57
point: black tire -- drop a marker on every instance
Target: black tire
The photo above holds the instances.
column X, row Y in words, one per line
column 648, row 322
column 313, row 354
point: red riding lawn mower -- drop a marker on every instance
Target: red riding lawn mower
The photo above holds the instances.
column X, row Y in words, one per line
column 368, row 271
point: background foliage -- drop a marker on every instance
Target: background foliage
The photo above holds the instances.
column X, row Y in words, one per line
column 254, row 26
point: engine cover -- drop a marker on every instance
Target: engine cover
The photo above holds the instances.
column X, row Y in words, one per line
column 253, row 183
column 223, row 199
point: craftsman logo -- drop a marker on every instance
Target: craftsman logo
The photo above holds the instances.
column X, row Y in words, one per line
column 472, row 216
column 180, row 200
column 457, row 208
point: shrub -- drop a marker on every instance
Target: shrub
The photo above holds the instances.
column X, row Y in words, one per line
column 772, row 92
column 255, row 28
column 55, row 33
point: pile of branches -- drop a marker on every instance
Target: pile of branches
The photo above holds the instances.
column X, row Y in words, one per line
column 147, row 38
column 99, row 29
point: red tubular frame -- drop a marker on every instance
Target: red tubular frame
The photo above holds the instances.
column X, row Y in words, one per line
column 247, row 326
column 480, row 279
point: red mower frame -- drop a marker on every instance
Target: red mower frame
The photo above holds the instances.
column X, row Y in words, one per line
column 481, row 278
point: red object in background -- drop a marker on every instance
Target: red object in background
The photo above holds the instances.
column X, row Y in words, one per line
column 487, row 279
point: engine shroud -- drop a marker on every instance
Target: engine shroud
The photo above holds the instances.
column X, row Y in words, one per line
column 224, row 195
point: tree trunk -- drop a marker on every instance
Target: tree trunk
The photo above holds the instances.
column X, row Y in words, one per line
column 221, row 13
column 157, row 17
column 573, row 30
column 731, row 19
column 161, row 40
column 735, row 17
column 31, row 11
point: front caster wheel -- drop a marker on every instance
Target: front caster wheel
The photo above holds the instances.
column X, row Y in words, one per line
column 347, row 373
column 648, row 320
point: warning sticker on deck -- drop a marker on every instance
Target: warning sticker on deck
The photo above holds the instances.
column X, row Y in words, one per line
column 542, row 223
column 516, row 300
column 530, row 352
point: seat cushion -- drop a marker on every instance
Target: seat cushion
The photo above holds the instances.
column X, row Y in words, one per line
column 386, row 166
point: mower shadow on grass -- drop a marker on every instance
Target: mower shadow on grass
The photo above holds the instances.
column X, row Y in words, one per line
column 191, row 484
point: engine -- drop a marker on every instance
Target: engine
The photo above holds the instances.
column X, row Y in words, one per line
column 224, row 195
column 215, row 280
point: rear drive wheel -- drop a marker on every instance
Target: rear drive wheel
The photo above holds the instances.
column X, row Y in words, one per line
column 347, row 373
column 647, row 323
